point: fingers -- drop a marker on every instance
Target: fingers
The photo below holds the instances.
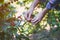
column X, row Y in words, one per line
column 28, row 16
column 25, row 15
column 34, row 21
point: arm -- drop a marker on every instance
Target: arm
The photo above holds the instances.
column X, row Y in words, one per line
column 34, row 4
column 40, row 16
column 28, row 15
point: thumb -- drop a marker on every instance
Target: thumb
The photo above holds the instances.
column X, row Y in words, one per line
column 29, row 16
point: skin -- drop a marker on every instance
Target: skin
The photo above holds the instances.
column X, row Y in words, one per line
column 28, row 14
column 38, row 17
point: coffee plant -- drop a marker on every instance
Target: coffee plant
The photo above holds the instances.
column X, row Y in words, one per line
column 13, row 25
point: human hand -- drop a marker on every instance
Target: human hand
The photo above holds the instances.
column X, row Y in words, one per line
column 28, row 15
column 39, row 17
column 36, row 19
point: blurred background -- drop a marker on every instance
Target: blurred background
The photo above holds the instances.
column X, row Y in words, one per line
column 13, row 25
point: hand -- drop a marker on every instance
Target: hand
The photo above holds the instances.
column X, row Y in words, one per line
column 39, row 17
column 36, row 19
column 28, row 15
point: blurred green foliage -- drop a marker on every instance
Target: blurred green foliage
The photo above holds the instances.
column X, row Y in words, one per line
column 12, row 29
